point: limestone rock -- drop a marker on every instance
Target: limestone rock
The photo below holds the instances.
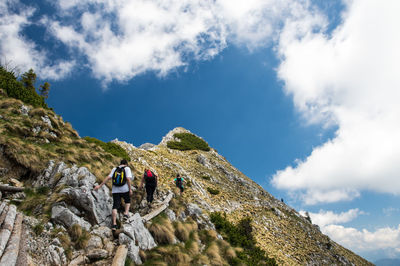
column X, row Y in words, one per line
column 203, row 160
column 25, row 110
column 94, row 242
column 96, row 204
column 97, row 254
column 194, row 209
column 133, row 250
column 147, row 146
column 47, row 121
column 103, row 232
column 134, row 226
column 170, row 214
column 62, row 215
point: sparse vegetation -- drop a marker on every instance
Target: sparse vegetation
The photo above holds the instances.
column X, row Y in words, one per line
column 109, row 147
column 213, row 191
column 38, row 229
column 188, row 141
column 206, row 177
column 240, row 235
column 79, row 236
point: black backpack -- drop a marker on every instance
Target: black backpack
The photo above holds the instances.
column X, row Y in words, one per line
column 119, row 177
column 149, row 178
column 178, row 182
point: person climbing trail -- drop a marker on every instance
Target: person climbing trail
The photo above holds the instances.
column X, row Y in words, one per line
column 121, row 189
column 178, row 180
column 150, row 181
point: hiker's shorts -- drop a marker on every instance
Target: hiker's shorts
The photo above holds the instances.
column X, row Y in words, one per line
column 117, row 199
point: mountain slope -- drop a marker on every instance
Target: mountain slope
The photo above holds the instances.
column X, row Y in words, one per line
column 59, row 169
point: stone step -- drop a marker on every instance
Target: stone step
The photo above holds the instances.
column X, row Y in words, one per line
column 7, row 227
column 10, row 255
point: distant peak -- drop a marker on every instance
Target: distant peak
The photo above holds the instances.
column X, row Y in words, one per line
column 171, row 133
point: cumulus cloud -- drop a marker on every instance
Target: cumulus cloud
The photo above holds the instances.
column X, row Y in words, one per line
column 324, row 218
column 21, row 53
column 387, row 239
column 349, row 79
column 121, row 39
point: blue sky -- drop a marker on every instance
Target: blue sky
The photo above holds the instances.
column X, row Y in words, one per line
column 301, row 96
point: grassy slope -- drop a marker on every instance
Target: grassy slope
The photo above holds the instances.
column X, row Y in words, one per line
column 287, row 238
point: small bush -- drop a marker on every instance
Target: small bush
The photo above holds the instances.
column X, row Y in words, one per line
column 213, row 191
column 188, row 141
column 38, row 229
column 110, row 147
column 43, row 190
column 206, row 177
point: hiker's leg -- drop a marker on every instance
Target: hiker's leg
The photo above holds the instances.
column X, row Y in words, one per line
column 153, row 188
column 114, row 216
column 148, row 193
column 127, row 200
column 115, row 207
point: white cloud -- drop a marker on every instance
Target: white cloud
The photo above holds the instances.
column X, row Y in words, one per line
column 19, row 51
column 387, row 239
column 121, row 39
column 324, row 218
column 349, row 79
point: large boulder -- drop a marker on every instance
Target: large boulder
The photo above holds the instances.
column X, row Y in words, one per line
column 133, row 250
column 96, row 204
column 62, row 215
column 135, row 229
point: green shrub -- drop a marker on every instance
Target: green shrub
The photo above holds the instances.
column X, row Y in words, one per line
column 38, row 229
column 240, row 235
column 213, row 191
column 206, row 177
column 188, row 141
column 110, row 147
column 16, row 89
column 43, row 190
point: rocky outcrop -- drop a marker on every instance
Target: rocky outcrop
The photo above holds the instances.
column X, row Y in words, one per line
column 62, row 215
column 93, row 206
column 170, row 135
column 134, row 231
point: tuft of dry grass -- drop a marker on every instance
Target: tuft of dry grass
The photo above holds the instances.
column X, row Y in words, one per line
column 213, row 252
column 163, row 233
column 181, row 232
column 172, row 255
column 38, row 112
column 9, row 103
column 79, row 236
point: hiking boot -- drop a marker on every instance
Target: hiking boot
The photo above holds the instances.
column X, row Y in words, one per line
column 114, row 227
column 125, row 217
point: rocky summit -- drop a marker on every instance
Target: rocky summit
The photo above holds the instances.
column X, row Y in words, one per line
column 50, row 214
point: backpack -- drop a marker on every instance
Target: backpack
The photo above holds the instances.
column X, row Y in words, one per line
column 119, row 177
column 149, row 177
column 178, row 182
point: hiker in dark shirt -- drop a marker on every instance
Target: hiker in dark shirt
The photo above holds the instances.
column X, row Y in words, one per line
column 178, row 180
column 150, row 181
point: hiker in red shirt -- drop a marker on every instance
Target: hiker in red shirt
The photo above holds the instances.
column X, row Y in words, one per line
column 150, row 181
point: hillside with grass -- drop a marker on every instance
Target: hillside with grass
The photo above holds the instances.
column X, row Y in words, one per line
column 50, row 214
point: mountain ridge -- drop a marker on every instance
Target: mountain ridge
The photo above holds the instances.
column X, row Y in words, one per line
column 58, row 169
